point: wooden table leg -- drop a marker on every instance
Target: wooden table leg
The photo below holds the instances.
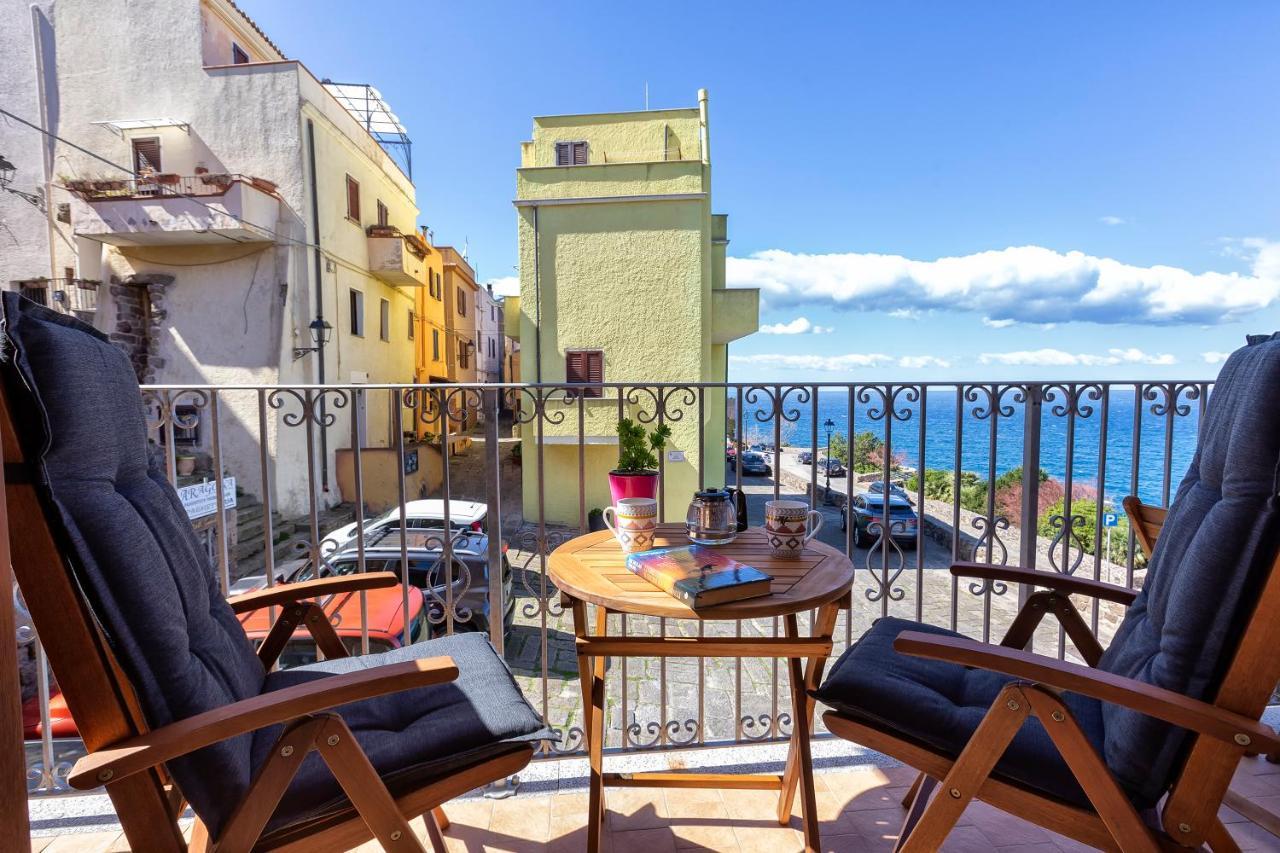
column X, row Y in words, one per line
column 802, row 716
column 823, row 627
column 591, row 674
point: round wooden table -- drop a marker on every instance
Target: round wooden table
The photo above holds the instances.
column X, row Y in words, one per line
column 591, row 569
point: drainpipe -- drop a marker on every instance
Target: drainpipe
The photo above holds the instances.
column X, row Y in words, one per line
column 319, row 267
column 704, row 136
column 46, row 143
column 537, row 302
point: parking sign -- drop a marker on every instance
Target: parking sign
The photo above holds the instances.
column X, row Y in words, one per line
column 1110, row 519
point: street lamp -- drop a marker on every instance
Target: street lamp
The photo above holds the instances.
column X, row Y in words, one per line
column 320, row 334
column 7, row 171
column 830, row 425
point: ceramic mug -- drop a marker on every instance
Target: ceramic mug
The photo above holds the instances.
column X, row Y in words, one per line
column 788, row 525
column 633, row 522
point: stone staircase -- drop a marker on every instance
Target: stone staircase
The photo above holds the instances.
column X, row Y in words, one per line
column 248, row 556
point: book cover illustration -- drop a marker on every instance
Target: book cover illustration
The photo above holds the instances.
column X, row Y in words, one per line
column 698, row 576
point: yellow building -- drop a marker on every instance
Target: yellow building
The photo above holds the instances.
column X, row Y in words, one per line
column 433, row 342
column 622, row 273
column 460, row 312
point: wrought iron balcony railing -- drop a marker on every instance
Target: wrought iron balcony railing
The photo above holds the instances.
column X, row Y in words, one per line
column 162, row 185
column 69, row 295
column 1027, row 473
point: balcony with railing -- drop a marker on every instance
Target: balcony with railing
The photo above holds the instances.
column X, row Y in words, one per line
column 78, row 296
column 170, row 209
column 1005, row 473
column 396, row 258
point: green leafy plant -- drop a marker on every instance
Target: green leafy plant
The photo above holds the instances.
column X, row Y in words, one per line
column 638, row 450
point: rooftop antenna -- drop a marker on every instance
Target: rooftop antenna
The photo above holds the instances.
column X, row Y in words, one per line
column 646, row 95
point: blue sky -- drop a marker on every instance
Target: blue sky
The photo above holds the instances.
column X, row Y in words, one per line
column 1105, row 175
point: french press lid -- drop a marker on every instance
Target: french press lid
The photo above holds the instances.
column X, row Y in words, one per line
column 712, row 494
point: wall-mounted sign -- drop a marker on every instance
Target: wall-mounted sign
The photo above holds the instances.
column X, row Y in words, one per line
column 201, row 499
column 411, row 460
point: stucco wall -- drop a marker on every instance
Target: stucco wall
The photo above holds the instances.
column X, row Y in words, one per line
column 24, row 229
column 620, row 137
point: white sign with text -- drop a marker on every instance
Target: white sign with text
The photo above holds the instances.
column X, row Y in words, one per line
column 201, row 499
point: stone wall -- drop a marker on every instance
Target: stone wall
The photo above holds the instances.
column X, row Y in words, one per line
column 140, row 315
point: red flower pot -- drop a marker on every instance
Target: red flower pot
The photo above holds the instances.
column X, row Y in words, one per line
column 644, row 485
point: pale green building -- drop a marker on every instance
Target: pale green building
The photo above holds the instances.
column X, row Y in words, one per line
column 622, row 280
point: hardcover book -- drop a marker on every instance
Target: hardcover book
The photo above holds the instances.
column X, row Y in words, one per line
column 697, row 576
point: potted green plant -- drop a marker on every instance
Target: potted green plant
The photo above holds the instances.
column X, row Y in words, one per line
column 637, row 473
column 595, row 520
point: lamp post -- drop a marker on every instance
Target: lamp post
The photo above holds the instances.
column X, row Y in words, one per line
column 320, row 334
column 830, row 425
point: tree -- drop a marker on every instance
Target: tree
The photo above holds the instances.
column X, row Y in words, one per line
column 939, row 485
column 1086, row 535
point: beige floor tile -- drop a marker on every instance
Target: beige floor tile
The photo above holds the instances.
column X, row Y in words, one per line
column 700, row 824
column 846, row 844
column 521, row 817
column 1005, row 829
column 1250, row 836
column 658, row 839
column 83, row 842
column 768, row 839
column 750, row 805
column 629, row 809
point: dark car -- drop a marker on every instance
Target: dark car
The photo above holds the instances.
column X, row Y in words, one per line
column 806, row 457
column 425, row 549
column 831, row 467
column 867, row 512
column 755, row 464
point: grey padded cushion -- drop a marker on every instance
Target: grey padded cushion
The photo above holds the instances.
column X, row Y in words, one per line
column 940, row 704
column 1214, row 551
column 417, row 735
column 134, row 553
column 154, row 591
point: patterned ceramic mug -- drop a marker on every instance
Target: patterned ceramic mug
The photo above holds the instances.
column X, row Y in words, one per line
column 633, row 523
column 788, row 525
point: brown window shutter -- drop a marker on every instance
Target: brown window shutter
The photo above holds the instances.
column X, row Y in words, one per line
column 575, row 367
column 595, row 372
column 353, row 199
column 564, row 156
column 579, row 153
column 146, row 155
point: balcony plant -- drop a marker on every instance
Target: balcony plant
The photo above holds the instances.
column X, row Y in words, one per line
column 168, row 179
column 263, row 184
column 637, row 473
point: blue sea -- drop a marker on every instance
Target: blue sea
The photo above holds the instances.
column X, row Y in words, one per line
column 1164, row 447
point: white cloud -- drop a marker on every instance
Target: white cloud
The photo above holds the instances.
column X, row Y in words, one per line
column 1024, row 284
column 1113, row 220
column 1061, row 358
column 507, row 285
column 837, row 363
column 905, row 314
column 798, row 326
column 1214, row 357
column 914, row 361
column 998, row 324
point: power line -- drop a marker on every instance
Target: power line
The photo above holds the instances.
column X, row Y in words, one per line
column 281, row 237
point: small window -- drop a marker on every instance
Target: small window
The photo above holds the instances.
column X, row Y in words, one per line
column 186, row 427
column 585, row 367
column 357, row 313
column 146, row 155
column 571, row 153
column 383, row 216
column 462, row 354
column 439, row 288
column 353, row 199
column 412, row 323
column 238, row 56
column 462, row 302
column 384, row 319
column 435, row 344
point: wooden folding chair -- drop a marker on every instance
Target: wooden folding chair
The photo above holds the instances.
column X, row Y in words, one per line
column 326, row 710
column 1111, row 743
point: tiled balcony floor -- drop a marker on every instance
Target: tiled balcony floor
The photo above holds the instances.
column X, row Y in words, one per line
column 859, row 810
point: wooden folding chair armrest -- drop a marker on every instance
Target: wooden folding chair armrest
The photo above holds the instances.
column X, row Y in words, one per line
column 1146, row 520
column 136, row 754
column 288, row 593
column 1056, row 581
column 1183, row 711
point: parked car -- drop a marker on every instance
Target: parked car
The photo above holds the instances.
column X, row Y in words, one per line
column 418, row 515
column 425, row 549
column 731, row 454
column 386, row 621
column 831, row 467
column 755, row 464
column 806, row 457
column 877, row 487
column 866, row 510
